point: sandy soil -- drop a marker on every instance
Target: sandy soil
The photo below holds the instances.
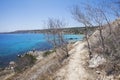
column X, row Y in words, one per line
column 75, row 69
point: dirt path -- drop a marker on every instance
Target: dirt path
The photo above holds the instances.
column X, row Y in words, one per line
column 75, row 70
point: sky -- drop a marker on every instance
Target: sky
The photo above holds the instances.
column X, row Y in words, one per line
column 32, row 14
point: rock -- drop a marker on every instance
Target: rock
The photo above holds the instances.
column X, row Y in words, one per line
column 12, row 64
column 96, row 60
column 98, row 72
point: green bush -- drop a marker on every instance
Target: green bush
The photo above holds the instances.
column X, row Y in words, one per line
column 48, row 53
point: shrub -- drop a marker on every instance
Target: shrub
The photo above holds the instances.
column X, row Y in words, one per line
column 24, row 62
column 112, row 52
column 48, row 53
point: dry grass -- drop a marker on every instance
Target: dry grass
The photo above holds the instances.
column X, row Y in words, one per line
column 112, row 49
column 43, row 69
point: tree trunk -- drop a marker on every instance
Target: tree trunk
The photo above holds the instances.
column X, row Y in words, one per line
column 88, row 44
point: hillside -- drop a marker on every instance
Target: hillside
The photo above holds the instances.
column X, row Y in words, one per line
column 102, row 65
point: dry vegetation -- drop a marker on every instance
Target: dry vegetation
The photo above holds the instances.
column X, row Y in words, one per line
column 44, row 68
column 103, row 47
column 112, row 49
column 104, row 44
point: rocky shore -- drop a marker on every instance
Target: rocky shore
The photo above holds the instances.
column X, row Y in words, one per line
column 9, row 70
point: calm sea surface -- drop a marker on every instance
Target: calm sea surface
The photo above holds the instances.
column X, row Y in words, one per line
column 13, row 44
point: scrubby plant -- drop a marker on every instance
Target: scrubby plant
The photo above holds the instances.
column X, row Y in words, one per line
column 112, row 53
column 24, row 62
column 46, row 53
column 55, row 35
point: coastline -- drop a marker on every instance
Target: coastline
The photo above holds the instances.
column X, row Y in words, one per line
column 41, row 59
column 23, row 43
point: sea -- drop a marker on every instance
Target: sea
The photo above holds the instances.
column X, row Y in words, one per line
column 12, row 45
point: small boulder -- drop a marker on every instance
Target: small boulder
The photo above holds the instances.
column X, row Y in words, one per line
column 96, row 60
column 12, row 64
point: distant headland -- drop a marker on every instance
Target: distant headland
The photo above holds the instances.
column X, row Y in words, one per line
column 72, row 30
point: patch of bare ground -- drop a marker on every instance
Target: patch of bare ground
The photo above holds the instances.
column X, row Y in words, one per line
column 76, row 68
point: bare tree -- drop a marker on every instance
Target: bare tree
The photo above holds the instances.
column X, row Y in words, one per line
column 98, row 18
column 114, row 10
column 89, row 17
column 107, row 20
column 55, row 35
column 82, row 18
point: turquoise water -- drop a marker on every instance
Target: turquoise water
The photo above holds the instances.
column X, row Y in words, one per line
column 13, row 44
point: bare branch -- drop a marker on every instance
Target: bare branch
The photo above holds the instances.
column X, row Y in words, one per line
column 55, row 34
